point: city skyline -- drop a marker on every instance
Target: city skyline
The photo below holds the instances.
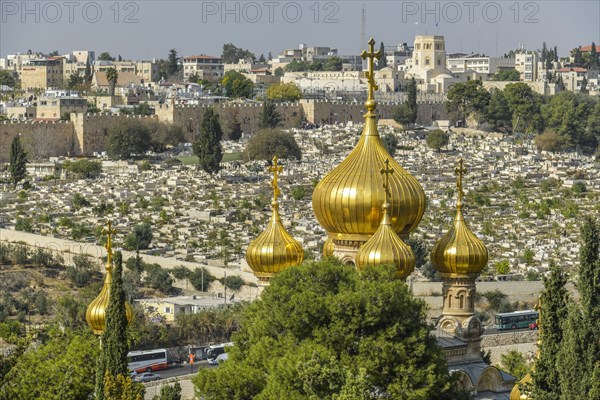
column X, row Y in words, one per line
column 203, row 27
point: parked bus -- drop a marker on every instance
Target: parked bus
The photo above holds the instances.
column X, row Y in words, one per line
column 147, row 360
column 213, row 351
column 516, row 320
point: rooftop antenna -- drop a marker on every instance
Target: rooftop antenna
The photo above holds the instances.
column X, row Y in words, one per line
column 363, row 29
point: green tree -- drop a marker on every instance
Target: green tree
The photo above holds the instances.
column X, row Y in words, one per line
column 390, row 142
column 284, row 92
column 75, row 80
column 158, row 278
column 437, row 139
column 6, row 78
column 497, row 112
column 60, row 366
column 235, row 129
column 382, row 62
column 18, row 162
column 269, row 117
column 502, row 267
column 278, row 72
column 468, row 99
column 507, row 75
column 554, row 300
column 232, row 282
column 232, row 54
column 112, row 76
column 114, row 340
column 201, row 279
column 267, row 143
column 168, row 392
column 105, row 56
column 515, row 364
column 87, row 77
column 127, row 137
column 551, row 140
column 332, row 64
column 299, row 341
column 524, row 106
column 403, row 114
column 237, row 85
column 140, row 238
column 121, row 387
column 579, row 355
column 84, row 168
column 173, row 62
column 208, row 145
column 411, row 99
column 163, row 136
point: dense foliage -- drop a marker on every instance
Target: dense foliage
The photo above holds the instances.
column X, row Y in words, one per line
column 323, row 331
column 126, row 138
column 237, row 85
column 284, row 92
column 267, row 143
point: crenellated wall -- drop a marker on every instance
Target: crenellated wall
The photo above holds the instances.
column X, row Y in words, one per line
column 85, row 134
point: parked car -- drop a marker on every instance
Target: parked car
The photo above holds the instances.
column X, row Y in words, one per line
column 147, row 377
column 218, row 359
column 533, row 326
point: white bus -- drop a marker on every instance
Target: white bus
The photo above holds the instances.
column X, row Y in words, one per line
column 147, row 360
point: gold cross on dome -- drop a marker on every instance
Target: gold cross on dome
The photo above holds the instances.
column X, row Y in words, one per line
column 386, row 172
column 460, row 170
column 371, row 55
column 276, row 169
column 109, row 231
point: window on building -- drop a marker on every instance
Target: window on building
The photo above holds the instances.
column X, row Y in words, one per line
column 168, row 310
column 427, row 61
column 439, row 62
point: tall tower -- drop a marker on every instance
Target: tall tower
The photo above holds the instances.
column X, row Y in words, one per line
column 459, row 257
column 429, row 56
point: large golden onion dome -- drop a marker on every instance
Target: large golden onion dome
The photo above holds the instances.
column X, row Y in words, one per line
column 95, row 314
column 274, row 249
column 459, row 251
column 348, row 201
column 385, row 246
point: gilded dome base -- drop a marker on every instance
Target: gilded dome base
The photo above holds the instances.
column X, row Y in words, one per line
column 345, row 250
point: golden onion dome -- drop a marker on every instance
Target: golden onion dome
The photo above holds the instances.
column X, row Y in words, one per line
column 347, row 202
column 274, row 249
column 386, row 248
column 95, row 314
column 515, row 393
column 328, row 248
column 459, row 251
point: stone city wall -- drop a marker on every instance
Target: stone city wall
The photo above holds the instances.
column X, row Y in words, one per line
column 85, row 134
column 508, row 338
column 41, row 139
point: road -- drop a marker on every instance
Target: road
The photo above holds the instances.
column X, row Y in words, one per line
column 183, row 369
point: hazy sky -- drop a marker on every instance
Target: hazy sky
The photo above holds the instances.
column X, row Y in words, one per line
column 146, row 29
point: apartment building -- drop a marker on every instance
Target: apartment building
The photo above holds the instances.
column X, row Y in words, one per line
column 207, row 68
column 45, row 73
column 526, row 63
column 480, row 64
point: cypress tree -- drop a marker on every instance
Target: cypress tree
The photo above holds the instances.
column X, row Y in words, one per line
column 88, row 71
column 18, row 162
column 208, row 146
column 382, row 63
column 270, row 118
column 412, row 99
column 554, row 299
column 114, row 342
column 579, row 357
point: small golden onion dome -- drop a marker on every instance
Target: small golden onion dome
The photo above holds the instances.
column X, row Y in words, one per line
column 328, row 248
column 515, row 393
column 95, row 314
column 386, row 247
column 274, row 249
column 459, row 251
column 347, row 202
